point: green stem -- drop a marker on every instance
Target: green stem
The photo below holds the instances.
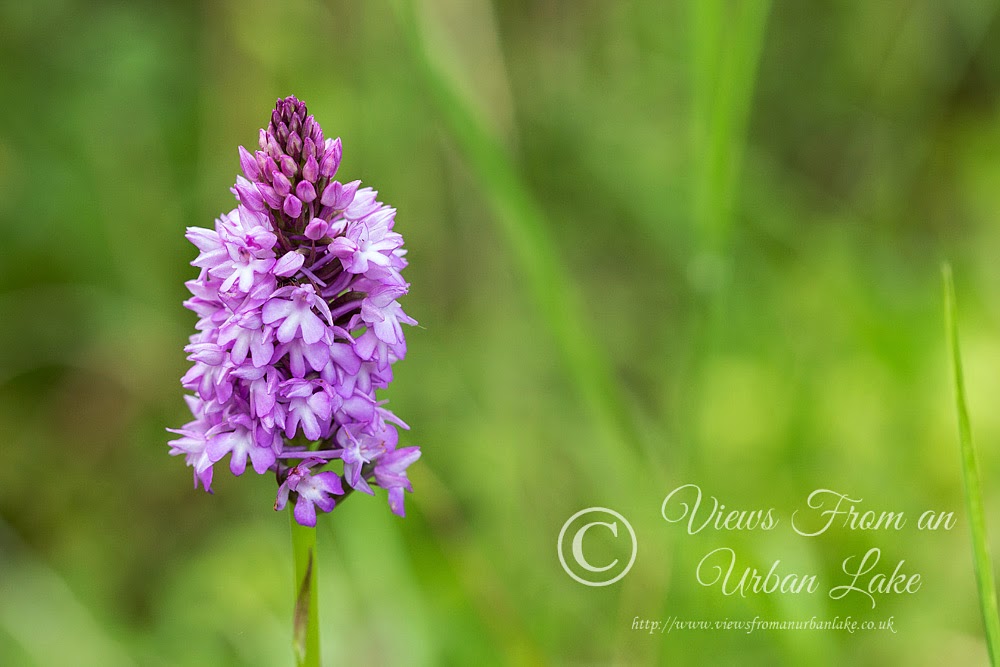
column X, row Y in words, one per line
column 305, row 634
column 970, row 473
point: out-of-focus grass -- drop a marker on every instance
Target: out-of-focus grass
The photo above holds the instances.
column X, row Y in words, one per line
column 570, row 178
column 539, row 262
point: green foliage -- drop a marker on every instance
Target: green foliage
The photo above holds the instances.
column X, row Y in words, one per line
column 652, row 243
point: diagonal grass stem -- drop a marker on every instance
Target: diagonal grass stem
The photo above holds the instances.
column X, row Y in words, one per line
column 970, row 475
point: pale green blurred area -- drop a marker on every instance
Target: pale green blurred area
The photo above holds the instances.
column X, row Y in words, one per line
column 651, row 243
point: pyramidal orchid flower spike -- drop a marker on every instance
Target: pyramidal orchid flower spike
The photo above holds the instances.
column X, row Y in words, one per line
column 299, row 326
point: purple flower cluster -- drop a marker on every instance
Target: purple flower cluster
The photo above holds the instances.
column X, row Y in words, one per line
column 299, row 325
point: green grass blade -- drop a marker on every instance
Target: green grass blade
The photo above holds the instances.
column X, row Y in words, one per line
column 726, row 50
column 970, row 475
column 727, row 41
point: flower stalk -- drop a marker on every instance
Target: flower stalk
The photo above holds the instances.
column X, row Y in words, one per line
column 305, row 635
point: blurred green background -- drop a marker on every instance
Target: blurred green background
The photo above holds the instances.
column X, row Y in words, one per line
column 651, row 243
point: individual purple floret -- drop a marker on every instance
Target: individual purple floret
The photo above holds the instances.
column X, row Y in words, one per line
column 312, row 490
column 299, row 324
